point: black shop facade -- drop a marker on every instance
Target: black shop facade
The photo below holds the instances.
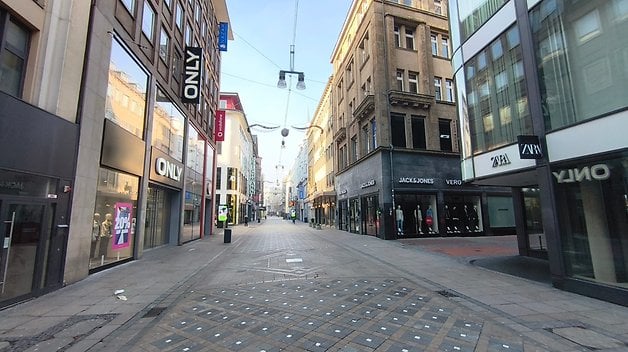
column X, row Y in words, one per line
column 417, row 195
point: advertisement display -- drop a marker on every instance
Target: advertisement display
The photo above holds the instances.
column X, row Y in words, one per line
column 122, row 226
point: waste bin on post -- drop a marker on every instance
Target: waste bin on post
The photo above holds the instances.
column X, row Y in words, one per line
column 227, row 235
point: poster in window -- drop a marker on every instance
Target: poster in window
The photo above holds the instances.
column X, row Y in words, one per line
column 122, row 229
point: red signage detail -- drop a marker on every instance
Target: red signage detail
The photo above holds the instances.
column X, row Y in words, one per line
column 219, row 126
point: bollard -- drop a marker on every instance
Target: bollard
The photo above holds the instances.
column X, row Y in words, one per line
column 227, row 236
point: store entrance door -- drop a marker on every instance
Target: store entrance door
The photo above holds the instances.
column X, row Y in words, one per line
column 26, row 229
column 536, row 243
column 157, row 225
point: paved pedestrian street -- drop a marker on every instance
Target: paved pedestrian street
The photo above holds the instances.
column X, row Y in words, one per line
column 280, row 286
column 383, row 314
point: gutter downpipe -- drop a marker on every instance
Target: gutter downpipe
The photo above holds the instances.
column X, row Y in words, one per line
column 387, row 88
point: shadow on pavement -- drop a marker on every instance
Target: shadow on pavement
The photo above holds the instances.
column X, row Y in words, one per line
column 525, row 267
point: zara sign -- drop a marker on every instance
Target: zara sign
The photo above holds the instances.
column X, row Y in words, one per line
column 192, row 75
column 529, row 147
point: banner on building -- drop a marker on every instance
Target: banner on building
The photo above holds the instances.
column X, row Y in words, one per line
column 122, row 226
column 192, row 77
column 223, row 36
column 219, row 126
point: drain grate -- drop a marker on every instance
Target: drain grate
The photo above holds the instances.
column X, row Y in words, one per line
column 153, row 312
column 447, row 293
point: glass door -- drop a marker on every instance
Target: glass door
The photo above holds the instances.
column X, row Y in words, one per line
column 26, row 229
column 533, row 221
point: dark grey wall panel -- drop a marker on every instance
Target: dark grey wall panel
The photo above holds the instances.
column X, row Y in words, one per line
column 34, row 140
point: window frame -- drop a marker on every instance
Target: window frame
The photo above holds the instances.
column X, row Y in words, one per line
column 22, row 54
column 148, row 7
column 438, row 88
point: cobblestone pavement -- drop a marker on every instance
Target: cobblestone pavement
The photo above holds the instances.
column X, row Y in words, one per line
column 286, row 287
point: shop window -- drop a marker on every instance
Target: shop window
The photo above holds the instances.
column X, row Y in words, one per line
column 592, row 210
column 418, row 133
column 416, row 215
column 463, row 214
column 194, row 166
column 444, row 130
column 501, row 213
column 13, row 54
column 581, row 59
column 114, row 220
column 168, row 124
column 398, row 130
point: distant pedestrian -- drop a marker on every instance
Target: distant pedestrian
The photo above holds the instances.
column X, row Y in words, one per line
column 246, row 220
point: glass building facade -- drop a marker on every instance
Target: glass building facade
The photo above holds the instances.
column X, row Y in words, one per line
column 555, row 71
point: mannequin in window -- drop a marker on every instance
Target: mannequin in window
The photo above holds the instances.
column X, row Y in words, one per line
column 418, row 219
column 95, row 235
column 455, row 220
column 466, row 215
column 105, row 234
column 399, row 217
column 447, row 218
column 475, row 224
column 429, row 220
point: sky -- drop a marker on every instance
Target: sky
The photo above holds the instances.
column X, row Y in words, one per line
column 263, row 32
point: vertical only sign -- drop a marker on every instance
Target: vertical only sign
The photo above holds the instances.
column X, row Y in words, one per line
column 192, row 78
column 223, row 36
column 122, row 226
column 219, row 131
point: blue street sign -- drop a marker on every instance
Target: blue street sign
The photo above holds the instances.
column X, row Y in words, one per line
column 223, row 36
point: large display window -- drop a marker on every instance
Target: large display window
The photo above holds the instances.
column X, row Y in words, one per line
column 463, row 215
column 114, row 219
column 416, row 215
column 354, row 215
column 195, row 164
column 371, row 216
column 582, row 58
column 592, row 205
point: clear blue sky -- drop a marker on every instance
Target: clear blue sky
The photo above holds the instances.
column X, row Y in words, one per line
column 263, row 32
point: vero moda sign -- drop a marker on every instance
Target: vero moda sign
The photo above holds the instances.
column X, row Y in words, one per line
column 192, row 75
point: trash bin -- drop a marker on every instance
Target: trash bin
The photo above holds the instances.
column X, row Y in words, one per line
column 227, row 235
